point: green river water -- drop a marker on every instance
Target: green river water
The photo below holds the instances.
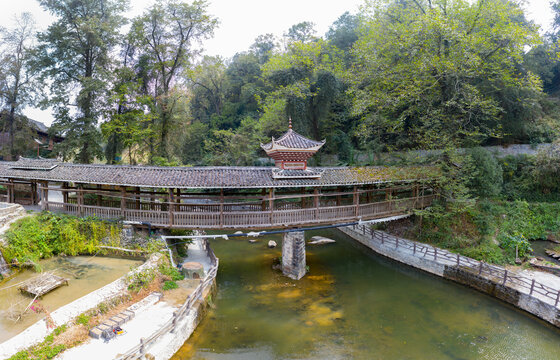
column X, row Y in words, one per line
column 354, row 304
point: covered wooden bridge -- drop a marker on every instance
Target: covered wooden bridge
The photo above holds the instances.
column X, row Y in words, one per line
column 287, row 195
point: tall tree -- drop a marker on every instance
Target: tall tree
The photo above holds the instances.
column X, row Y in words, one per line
column 168, row 33
column 18, row 83
column 75, row 53
column 437, row 73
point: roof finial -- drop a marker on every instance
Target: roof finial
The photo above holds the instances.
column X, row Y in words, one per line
column 290, row 122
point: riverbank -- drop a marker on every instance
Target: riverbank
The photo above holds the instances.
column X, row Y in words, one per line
column 37, row 332
column 535, row 292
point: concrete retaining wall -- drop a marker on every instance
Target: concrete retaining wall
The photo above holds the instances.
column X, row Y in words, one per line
column 540, row 307
column 168, row 344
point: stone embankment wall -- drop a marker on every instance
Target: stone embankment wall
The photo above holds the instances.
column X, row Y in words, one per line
column 539, row 299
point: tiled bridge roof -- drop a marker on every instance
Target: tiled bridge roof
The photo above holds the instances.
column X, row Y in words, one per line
column 202, row 177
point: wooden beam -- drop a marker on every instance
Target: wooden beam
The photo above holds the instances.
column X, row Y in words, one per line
column 221, row 207
column 271, row 203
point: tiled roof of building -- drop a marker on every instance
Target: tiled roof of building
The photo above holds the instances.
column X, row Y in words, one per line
column 293, row 140
column 203, row 177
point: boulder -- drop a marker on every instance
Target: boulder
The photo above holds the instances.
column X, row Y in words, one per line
column 252, row 241
column 238, row 232
column 320, row 240
column 272, row 244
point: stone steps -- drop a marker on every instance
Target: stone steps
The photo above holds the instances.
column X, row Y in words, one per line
column 105, row 329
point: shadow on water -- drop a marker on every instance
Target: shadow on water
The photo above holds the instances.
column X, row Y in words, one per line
column 354, row 304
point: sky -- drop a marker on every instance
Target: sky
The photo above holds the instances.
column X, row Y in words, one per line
column 241, row 21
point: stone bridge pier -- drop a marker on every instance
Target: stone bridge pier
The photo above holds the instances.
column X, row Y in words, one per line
column 293, row 255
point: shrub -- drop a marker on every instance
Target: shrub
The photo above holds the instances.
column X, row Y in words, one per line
column 487, row 177
column 169, row 285
column 140, row 279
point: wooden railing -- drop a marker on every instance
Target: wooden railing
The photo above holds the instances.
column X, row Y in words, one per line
column 214, row 217
column 496, row 273
column 140, row 350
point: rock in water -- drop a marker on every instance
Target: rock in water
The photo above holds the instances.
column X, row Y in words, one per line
column 238, row 232
column 320, row 240
column 252, row 241
column 272, row 244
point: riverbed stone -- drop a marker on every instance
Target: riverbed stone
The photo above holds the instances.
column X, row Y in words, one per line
column 293, row 255
column 320, row 240
column 272, row 244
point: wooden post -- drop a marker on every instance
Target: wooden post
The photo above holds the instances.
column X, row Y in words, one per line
column 44, row 195
column 33, row 186
column 316, row 202
column 532, row 287
column 397, row 241
column 64, row 188
column 271, row 203
column 356, row 201
column 142, row 347
column 435, row 254
column 480, row 268
column 557, row 299
column 137, row 192
column 414, row 248
column 11, row 191
column 263, row 201
column 171, row 206
column 123, row 201
column 505, row 277
column 98, row 196
column 80, row 199
column 221, row 207
column 458, row 259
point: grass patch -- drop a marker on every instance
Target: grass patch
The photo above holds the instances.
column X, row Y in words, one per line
column 169, row 285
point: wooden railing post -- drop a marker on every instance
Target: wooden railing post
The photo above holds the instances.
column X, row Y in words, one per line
column 414, row 248
column 397, row 242
column 142, row 347
column 532, row 287
column 505, row 277
column 480, row 268
column 458, row 259
column 557, row 298
column 435, row 253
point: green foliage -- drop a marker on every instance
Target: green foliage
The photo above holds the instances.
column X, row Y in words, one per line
column 83, row 319
column 47, row 234
column 490, row 230
column 487, row 178
column 171, row 272
column 518, row 242
column 431, row 74
column 45, row 350
column 169, row 285
column 139, row 280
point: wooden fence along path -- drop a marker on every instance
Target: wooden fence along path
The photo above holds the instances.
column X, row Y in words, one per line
column 169, row 327
column 497, row 274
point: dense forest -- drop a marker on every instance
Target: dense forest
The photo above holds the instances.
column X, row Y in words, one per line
column 403, row 74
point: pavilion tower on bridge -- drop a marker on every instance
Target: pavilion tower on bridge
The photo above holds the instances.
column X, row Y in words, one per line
column 290, row 153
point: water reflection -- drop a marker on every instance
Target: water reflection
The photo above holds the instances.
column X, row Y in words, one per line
column 354, row 304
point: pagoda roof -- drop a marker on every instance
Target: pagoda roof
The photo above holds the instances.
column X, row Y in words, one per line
column 291, row 140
